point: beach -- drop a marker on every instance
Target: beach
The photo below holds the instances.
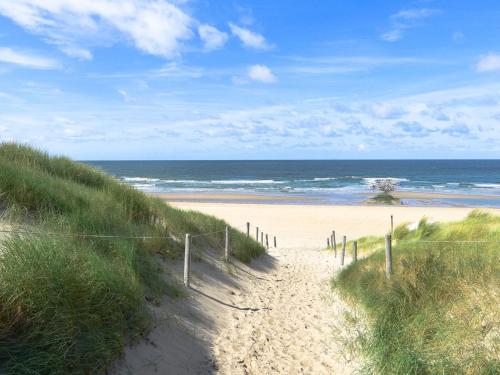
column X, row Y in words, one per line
column 277, row 314
column 309, row 225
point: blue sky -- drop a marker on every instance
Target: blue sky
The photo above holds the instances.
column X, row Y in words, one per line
column 200, row 79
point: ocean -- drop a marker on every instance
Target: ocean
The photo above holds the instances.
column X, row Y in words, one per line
column 330, row 181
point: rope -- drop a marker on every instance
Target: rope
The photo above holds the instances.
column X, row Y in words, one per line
column 206, row 234
column 450, row 241
column 85, row 235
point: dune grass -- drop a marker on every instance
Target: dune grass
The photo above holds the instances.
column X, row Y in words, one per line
column 384, row 198
column 68, row 304
column 439, row 313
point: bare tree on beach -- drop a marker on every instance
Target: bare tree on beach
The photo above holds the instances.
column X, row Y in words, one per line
column 383, row 185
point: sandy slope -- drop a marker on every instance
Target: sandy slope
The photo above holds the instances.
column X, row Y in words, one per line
column 296, row 332
column 275, row 316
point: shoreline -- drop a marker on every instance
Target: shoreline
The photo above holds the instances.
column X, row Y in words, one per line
column 408, row 198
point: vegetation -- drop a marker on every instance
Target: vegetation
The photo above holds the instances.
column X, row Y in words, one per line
column 69, row 303
column 439, row 313
column 384, row 198
column 384, row 187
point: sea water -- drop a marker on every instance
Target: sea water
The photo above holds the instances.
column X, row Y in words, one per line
column 331, row 181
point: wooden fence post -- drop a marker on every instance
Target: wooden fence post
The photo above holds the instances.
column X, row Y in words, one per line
column 248, row 229
column 257, row 234
column 226, row 245
column 388, row 255
column 334, row 243
column 187, row 260
column 355, row 251
column 274, row 241
column 392, row 225
column 342, row 255
column 262, row 238
column 327, row 243
column 267, row 241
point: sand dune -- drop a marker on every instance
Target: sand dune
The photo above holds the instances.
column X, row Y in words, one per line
column 276, row 316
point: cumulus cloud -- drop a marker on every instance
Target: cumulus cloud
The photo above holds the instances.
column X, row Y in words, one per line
column 488, row 63
column 261, row 73
column 27, row 60
column 387, row 110
column 456, row 130
column 212, row 37
column 156, row 27
column 294, row 126
column 413, row 128
column 249, row 38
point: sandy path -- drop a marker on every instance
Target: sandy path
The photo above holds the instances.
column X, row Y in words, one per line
column 294, row 333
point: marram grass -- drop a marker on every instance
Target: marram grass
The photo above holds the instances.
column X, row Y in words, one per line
column 69, row 304
column 440, row 312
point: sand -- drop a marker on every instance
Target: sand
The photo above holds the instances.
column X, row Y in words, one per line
column 297, row 330
column 308, row 226
column 430, row 196
column 237, row 197
column 423, row 198
column 277, row 315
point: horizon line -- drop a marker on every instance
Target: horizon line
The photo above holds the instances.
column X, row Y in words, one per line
column 203, row 160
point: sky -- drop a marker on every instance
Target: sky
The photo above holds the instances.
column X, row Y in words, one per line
column 200, row 79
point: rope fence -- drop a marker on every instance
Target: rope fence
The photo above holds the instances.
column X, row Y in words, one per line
column 188, row 246
column 83, row 235
column 331, row 242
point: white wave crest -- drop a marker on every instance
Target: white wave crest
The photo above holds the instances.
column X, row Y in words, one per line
column 394, row 180
column 487, row 186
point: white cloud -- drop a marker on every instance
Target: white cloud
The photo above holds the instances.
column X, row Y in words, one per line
column 404, row 20
column 77, row 52
column 261, row 73
column 27, row 60
column 488, row 63
column 156, row 27
column 249, row 38
column 392, row 36
column 126, row 97
column 349, row 64
column 289, row 127
column 412, row 14
column 386, row 110
column 212, row 37
column 458, row 36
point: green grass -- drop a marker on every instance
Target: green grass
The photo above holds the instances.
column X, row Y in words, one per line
column 69, row 304
column 439, row 313
column 384, row 198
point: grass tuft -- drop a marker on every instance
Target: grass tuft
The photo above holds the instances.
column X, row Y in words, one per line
column 384, row 198
column 439, row 312
column 68, row 304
